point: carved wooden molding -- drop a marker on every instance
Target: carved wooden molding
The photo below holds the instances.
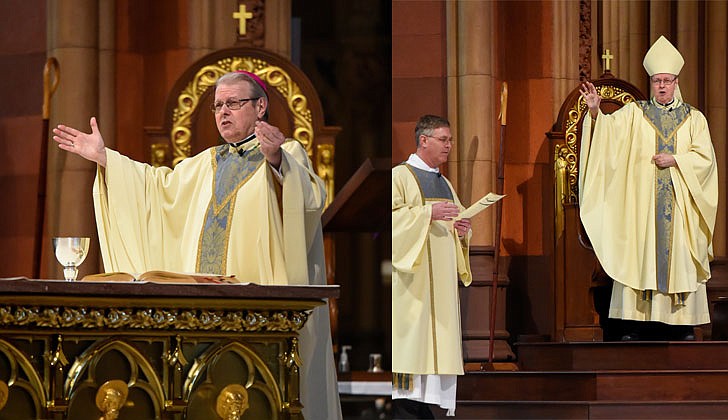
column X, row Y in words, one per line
column 585, row 39
column 152, row 319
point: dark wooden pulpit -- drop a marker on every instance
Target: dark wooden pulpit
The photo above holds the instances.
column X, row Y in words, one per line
column 356, row 208
column 359, row 207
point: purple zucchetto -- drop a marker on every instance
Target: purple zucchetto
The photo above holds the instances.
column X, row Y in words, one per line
column 255, row 77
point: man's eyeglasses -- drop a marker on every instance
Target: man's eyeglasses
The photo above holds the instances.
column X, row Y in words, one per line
column 232, row 104
column 666, row 82
column 442, row 140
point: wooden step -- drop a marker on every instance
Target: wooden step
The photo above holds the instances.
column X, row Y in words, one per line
column 609, row 385
column 588, row 410
column 646, row 355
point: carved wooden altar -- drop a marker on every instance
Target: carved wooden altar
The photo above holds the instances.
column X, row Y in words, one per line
column 576, row 269
column 151, row 351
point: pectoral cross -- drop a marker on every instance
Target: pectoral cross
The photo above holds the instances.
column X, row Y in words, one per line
column 607, row 56
column 242, row 15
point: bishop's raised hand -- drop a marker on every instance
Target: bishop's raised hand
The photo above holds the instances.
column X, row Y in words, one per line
column 591, row 97
column 89, row 146
column 270, row 139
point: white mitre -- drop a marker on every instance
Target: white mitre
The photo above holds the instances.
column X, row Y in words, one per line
column 663, row 57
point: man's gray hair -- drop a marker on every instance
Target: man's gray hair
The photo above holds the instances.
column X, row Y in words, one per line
column 256, row 90
column 427, row 124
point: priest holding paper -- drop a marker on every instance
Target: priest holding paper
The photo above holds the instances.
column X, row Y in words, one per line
column 250, row 207
column 648, row 193
column 429, row 255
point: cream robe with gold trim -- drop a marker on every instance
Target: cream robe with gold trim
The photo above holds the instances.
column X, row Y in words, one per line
column 427, row 259
column 151, row 219
column 617, row 207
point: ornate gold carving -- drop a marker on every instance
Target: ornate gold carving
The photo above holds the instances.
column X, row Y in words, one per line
column 159, row 154
column 176, row 356
column 251, row 25
column 140, row 374
column 3, row 394
column 152, row 318
column 275, row 77
column 568, row 151
column 58, row 358
column 257, row 379
column 242, row 16
column 232, row 402
column 560, row 185
column 292, row 361
column 110, row 398
column 22, row 375
column 325, row 169
column 607, row 57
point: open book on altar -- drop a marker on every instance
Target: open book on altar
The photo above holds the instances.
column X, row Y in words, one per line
column 159, row 276
column 480, row 205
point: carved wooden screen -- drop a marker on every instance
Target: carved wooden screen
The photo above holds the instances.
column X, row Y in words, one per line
column 575, row 266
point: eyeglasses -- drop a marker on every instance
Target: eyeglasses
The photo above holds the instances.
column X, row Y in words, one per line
column 666, row 82
column 232, row 104
column 442, row 140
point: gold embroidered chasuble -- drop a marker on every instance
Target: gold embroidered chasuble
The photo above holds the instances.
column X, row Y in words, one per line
column 651, row 228
column 225, row 209
column 233, row 167
column 427, row 259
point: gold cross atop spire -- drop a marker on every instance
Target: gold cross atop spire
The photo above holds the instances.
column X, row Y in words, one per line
column 607, row 57
column 242, row 15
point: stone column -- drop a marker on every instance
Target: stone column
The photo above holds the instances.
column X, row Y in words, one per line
column 687, row 43
column 73, row 38
column 211, row 26
column 716, row 109
column 625, row 35
column 107, row 70
column 660, row 21
column 278, row 27
column 566, row 45
column 472, row 111
column 637, row 42
column 107, row 79
column 660, row 25
column 610, row 37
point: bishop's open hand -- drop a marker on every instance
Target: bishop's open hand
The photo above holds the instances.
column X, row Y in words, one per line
column 591, row 97
column 87, row 145
column 270, row 139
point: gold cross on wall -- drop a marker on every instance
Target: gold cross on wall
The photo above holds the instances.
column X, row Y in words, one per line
column 607, row 56
column 242, row 15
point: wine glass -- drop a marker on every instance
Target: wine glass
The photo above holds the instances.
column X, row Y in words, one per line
column 70, row 252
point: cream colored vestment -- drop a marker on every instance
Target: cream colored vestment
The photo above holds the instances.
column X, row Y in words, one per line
column 427, row 259
column 617, row 190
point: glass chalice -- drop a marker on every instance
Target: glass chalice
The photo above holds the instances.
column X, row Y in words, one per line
column 70, row 252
